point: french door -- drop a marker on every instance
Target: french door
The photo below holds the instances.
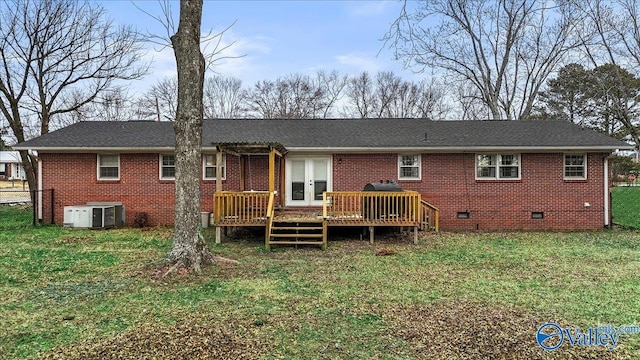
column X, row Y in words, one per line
column 307, row 178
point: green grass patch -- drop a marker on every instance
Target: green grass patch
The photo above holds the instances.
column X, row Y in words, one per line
column 625, row 206
column 15, row 216
column 79, row 293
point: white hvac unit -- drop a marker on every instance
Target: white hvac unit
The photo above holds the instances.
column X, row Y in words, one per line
column 89, row 216
column 78, row 216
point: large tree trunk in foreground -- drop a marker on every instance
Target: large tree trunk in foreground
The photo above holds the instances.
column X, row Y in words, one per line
column 189, row 249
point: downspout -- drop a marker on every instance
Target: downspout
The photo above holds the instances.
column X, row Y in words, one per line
column 606, row 192
column 39, row 186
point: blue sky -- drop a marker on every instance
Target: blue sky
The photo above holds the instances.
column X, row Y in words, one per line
column 282, row 37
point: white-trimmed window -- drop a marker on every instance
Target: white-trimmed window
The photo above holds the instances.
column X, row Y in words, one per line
column 167, row 167
column 575, row 166
column 209, row 166
column 498, row 166
column 108, row 167
column 409, row 167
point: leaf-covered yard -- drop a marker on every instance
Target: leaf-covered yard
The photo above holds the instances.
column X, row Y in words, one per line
column 88, row 294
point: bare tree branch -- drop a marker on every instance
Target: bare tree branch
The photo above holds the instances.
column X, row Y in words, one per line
column 505, row 49
column 211, row 43
column 51, row 49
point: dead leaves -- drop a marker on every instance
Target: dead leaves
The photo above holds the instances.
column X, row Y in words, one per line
column 440, row 330
column 467, row 330
column 386, row 252
column 183, row 340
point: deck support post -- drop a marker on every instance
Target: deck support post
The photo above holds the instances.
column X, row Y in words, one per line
column 218, row 234
column 415, row 235
column 371, row 234
column 324, row 234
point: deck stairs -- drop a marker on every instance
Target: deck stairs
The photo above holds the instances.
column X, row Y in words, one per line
column 305, row 230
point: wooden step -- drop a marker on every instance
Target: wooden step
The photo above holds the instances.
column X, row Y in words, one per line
column 296, row 236
column 289, row 242
column 297, row 231
column 297, row 228
column 298, row 221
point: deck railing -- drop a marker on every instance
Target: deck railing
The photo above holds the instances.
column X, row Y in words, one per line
column 232, row 208
column 341, row 208
column 372, row 208
column 430, row 217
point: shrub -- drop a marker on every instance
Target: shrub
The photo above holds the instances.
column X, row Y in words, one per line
column 141, row 220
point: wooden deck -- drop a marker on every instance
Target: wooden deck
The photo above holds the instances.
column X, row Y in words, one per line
column 340, row 209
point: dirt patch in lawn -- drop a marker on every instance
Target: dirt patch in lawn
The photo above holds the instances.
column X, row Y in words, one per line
column 467, row 330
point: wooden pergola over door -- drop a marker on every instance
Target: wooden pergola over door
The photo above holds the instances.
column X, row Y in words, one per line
column 246, row 149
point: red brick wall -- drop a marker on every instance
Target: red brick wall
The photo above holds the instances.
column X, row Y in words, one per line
column 448, row 182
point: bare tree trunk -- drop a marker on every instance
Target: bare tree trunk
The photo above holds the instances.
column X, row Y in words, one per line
column 189, row 249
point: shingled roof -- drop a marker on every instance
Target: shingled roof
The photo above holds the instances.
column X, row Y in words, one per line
column 334, row 135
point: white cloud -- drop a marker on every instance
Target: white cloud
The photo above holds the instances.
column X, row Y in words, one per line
column 163, row 62
column 358, row 62
column 240, row 60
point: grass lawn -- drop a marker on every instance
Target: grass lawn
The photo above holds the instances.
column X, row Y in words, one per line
column 84, row 294
column 15, row 216
column 625, row 206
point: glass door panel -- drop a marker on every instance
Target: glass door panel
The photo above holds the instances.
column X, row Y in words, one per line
column 320, row 176
column 298, row 182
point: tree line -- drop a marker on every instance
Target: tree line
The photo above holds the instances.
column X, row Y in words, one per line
column 326, row 94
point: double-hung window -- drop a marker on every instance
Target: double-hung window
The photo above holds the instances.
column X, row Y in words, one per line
column 575, row 166
column 209, row 167
column 167, row 167
column 409, row 167
column 108, row 167
column 498, row 166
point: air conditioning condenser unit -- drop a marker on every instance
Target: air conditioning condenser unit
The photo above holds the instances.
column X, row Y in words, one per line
column 89, row 216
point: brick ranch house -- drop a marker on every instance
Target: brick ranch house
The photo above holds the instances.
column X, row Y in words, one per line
column 486, row 175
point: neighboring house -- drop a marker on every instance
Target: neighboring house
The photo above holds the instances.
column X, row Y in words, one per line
column 11, row 166
column 482, row 175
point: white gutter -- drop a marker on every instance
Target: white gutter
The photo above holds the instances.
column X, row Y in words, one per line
column 107, row 149
column 457, row 149
column 606, row 192
column 97, row 149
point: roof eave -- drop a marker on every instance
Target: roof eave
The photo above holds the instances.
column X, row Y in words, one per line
column 435, row 149
column 462, row 149
column 76, row 149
